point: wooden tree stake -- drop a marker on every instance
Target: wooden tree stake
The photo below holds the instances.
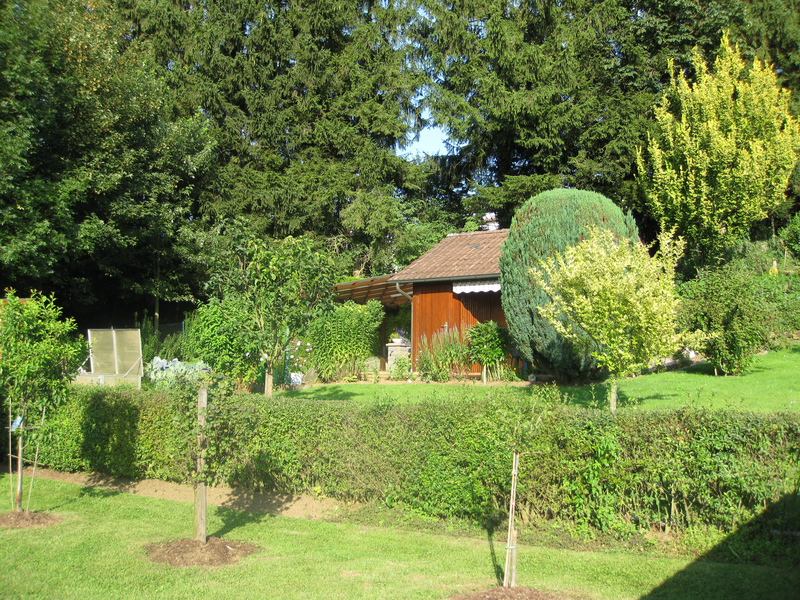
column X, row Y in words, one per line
column 510, row 573
column 200, row 487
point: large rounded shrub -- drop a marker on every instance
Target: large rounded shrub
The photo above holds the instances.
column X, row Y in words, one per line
column 544, row 225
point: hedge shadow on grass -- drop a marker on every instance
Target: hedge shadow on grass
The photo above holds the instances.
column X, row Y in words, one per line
column 321, row 392
column 771, row 539
column 585, row 397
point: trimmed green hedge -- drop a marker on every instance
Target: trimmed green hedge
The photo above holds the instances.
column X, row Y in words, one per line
column 680, row 467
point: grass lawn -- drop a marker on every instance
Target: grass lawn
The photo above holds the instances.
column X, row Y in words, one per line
column 97, row 552
column 773, row 384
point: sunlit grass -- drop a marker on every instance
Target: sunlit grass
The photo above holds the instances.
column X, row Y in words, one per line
column 97, row 551
column 773, row 384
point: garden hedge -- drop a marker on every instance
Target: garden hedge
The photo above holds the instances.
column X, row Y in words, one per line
column 450, row 457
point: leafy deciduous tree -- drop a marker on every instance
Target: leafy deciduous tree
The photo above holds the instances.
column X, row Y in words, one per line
column 97, row 177
column 270, row 294
column 608, row 296
column 724, row 305
column 39, row 355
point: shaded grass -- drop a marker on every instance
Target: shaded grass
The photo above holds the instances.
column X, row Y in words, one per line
column 385, row 391
column 97, row 552
column 773, row 384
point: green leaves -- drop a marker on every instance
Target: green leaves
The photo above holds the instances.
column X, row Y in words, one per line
column 722, row 154
column 542, row 97
column 609, row 295
column 344, row 338
column 725, row 305
column 488, row 344
column 450, row 456
column 544, row 226
column 99, row 175
column 270, row 292
column 40, row 353
column 307, row 104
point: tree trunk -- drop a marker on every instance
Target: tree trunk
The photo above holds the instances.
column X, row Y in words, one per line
column 157, row 294
column 10, row 455
column 268, row 383
column 612, row 395
column 483, row 374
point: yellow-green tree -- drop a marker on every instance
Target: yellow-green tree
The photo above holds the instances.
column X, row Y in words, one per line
column 723, row 151
column 610, row 297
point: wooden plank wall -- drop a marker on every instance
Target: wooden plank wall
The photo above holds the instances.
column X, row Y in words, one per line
column 436, row 307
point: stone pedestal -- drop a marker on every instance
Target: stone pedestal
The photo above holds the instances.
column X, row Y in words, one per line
column 395, row 349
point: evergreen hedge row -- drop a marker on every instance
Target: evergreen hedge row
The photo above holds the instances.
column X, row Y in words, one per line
column 678, row 467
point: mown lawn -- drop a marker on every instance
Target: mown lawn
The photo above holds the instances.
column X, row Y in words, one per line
column 97, row 551
column 773, row 384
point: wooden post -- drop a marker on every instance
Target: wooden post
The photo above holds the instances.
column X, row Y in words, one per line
column 382, row 342
column 510, row 573
column 200, row 487
column 18, row 498
column 513, row 582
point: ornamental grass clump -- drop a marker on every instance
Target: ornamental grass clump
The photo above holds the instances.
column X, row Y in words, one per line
column 444, row 356
column 488, row 345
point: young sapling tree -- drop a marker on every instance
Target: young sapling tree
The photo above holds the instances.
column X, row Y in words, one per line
column 39, row 356
column 514, row 422
column 609, row 295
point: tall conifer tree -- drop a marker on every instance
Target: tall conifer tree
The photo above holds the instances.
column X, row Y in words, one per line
column 308, row 102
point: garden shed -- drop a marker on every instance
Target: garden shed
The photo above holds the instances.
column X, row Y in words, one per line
column 455, row 284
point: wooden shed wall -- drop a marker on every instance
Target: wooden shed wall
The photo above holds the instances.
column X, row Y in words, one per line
column 436, row 308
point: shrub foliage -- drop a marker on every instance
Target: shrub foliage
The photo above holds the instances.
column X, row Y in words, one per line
column 488, row 345
column 672, row 468
column 739, row 313
column 542, row 227
column 344, row 338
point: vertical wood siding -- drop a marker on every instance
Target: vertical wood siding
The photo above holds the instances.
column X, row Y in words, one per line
column 436, row 307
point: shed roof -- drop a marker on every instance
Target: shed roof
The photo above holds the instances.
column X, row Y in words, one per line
column 472, row 255
column 373, row 288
